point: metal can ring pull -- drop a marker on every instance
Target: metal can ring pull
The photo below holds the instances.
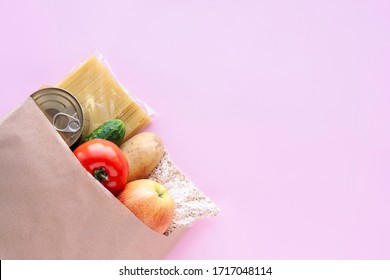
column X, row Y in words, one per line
column 73, row 124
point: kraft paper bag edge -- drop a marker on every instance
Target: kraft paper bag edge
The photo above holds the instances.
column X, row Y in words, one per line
column 116, row 234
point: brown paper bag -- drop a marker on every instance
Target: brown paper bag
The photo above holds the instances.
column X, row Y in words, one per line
column 51, row 208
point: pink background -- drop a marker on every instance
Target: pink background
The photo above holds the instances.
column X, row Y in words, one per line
column 278, row 110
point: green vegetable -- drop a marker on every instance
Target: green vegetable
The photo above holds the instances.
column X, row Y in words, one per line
column 112, row 130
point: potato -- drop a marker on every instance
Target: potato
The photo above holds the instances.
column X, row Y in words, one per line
column 143, row 152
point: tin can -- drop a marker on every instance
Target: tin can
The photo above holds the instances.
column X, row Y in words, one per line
column 65, row 113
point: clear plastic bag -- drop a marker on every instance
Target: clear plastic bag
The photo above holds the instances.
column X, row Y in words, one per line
column 104, row 98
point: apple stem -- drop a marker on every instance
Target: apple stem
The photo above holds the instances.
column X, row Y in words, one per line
column 160, row 192
column 100, row 174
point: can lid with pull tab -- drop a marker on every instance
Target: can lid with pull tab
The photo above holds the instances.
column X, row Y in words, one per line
column 64, row 112
column 73, row 124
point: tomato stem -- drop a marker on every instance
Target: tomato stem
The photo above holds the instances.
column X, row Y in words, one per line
column 100, row 174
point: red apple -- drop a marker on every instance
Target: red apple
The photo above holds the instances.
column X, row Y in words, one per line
column 150, row 202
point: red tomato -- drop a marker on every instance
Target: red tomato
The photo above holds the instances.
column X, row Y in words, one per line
column 106, row 162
